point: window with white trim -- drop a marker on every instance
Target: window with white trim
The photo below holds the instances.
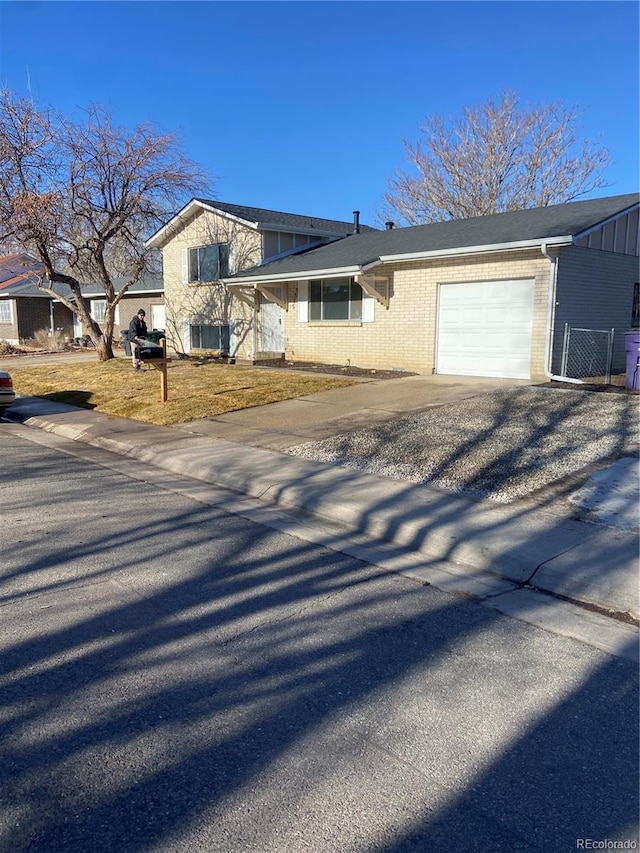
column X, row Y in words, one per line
column 335, row 299
column 209, row 337
column 98, row 308
column 98, row 311
column 5, row 311
column 206, row 263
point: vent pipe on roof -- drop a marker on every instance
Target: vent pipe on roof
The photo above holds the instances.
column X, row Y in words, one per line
column 356, row 221
column 389, row 225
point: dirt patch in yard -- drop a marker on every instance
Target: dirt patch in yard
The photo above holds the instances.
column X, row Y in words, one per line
column 333, row 369
column 593, row 383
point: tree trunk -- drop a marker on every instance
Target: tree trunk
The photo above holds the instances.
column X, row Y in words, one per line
column 104, row 348
column 104, row 338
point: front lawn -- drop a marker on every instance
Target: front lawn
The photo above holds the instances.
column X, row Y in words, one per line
column 196, row 390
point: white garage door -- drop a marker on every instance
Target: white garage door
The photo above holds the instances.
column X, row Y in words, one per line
column 484, row 329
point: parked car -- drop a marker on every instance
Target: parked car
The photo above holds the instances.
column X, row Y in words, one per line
column 7, row 394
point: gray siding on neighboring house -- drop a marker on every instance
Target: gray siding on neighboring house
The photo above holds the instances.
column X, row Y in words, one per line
column 594, row 291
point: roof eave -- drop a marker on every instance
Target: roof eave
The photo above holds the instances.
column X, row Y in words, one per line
column 406, row 257
column 601, row 224
column 336, row 272
column 156, row 240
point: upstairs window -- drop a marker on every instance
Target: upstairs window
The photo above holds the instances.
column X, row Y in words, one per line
column 206, row 263
column 276, row 243
column 335, row 299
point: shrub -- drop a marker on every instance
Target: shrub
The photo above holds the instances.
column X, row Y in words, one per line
column 54, row 343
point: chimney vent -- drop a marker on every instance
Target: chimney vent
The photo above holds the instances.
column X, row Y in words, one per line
column 356, row 221
column 388, row 225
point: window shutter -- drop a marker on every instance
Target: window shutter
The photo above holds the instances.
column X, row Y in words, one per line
column 303, row 302
column 368, row 308
column 185, row 266
column 186, row 336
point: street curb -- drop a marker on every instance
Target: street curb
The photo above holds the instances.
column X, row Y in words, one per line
column 531, row 547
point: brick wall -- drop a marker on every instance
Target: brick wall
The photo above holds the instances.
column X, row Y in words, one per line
column 9, row 331
column 404, row 335
column 207, row 302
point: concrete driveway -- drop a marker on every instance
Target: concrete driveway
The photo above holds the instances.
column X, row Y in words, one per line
column 281, row 426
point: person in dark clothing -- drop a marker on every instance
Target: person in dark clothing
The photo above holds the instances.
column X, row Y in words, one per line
column 137, row 334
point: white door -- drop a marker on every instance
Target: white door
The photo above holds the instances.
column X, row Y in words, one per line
column 484, row 329
column 158, row 317
column 272, row 331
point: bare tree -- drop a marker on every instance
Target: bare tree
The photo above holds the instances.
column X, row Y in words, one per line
column 496, row 156
column 83, row 196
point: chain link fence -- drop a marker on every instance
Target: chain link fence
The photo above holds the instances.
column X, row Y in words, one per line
column 587, row 354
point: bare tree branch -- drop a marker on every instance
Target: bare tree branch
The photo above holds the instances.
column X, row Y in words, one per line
column 83, row 196
column 494, row 157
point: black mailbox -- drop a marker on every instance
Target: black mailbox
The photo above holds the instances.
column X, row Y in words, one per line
column 150, row 353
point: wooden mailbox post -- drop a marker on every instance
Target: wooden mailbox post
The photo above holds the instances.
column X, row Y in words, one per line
column 161, row 365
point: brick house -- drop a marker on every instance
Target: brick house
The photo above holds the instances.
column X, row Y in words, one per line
column 488, row 296
column 26, row 310
column 207, row 241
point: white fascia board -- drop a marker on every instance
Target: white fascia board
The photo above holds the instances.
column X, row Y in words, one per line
column 604, row 222
column 213, row 209
column 476, row 250
column 295, row 276
column 158, row 238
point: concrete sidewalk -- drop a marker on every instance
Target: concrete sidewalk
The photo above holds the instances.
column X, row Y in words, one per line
column 502, row 552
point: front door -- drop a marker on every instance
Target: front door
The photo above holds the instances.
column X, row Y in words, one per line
column 158, row 319
column 271, row 326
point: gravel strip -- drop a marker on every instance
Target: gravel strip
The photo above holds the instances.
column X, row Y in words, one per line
column 501, row 445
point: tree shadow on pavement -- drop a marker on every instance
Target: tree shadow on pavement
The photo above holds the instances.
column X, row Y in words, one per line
column 173, row 681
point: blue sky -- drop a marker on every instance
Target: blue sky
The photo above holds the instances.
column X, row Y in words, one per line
column 303, row 106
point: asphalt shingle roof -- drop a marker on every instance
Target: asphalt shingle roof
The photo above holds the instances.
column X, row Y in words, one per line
column 291, row 220
column 21, row 273
column 562, row 220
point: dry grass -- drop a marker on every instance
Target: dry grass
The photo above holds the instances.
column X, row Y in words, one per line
column 194, row 391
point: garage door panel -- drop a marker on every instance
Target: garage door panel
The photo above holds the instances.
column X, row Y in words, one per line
column 484, row 329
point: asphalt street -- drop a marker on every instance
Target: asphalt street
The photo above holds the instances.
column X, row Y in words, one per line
column 182, row 669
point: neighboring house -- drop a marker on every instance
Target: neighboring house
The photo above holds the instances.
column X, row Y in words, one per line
column 147, row 293
column 488, row 296
column 26, row 310
column 206, row 242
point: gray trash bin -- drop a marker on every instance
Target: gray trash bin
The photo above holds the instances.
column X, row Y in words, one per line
column 126, row 343
column 632, row 346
